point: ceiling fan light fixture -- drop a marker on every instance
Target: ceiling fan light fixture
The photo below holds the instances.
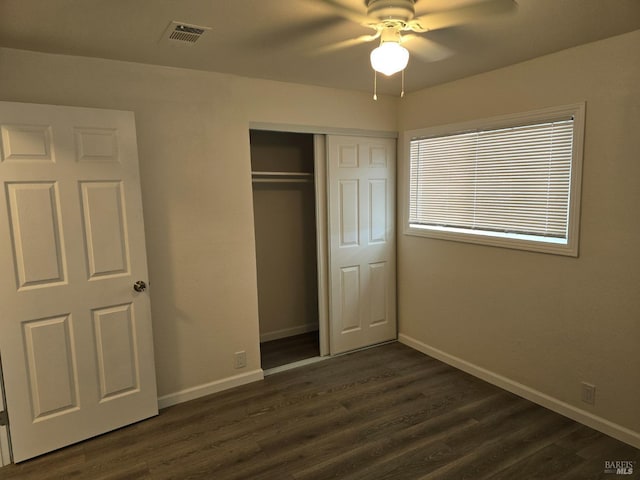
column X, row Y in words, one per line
column 389, row 58
column 397, row 10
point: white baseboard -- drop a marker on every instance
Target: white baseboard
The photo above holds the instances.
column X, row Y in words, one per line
column 209, row 388
column 288, row 332
column 597, row 423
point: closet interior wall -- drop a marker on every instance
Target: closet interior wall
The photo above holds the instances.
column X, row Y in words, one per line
column 282, row 167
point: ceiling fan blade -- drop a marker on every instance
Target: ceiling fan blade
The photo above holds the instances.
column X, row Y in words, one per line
column 461, row 15
column 294, row 33
column 347, row 43
column 348, row 12
column 425, row 49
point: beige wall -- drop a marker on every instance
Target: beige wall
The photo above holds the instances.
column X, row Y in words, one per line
column 193, row 138
column 545, row 321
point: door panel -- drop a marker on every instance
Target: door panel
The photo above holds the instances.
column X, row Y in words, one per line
column 51, row 360
column 361, row 186
column 34, row 211
column 378, row 275
column 75, row 338
column 114, row 329
column 378, row 199
column 349, row 213
column 96, row 144
column 26, row 143
column 104, row 229
column 350, row 298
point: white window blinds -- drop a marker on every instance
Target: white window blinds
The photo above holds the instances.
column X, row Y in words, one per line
column 513, row 180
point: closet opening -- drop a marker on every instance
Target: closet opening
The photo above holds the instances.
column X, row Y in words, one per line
column 284, row 205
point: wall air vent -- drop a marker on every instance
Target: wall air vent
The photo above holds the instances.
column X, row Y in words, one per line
column 183, row 33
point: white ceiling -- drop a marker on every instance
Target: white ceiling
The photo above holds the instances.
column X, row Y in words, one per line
column 280, row 39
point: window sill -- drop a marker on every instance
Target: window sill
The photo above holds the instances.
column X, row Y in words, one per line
column 553, row 246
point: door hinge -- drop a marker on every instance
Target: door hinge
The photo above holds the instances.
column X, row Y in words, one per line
column 4, row 419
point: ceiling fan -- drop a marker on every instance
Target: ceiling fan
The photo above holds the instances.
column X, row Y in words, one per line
column 395, row 24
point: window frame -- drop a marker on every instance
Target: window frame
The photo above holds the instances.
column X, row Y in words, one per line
column 519, row 242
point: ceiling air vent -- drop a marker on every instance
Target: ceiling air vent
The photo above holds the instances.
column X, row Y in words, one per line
column 183, row 33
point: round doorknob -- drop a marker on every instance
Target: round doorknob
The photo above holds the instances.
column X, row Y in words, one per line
column 139, row 286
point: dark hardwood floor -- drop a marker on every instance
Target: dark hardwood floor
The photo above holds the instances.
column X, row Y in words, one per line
column 384, row 413
column 289, row 350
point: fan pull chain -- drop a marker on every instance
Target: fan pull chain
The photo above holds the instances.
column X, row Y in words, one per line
column 375, row 85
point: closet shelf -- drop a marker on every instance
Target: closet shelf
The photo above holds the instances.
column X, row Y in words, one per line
column 281, row 177
column 281, row 174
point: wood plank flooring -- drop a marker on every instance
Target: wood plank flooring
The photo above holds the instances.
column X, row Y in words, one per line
column 384, row 413
column 289, row 350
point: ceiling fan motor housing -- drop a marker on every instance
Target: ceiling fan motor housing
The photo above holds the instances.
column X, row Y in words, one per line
column 399, row 10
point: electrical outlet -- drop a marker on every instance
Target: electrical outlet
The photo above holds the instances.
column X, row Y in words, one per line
column 588, row 393
column 240, row 359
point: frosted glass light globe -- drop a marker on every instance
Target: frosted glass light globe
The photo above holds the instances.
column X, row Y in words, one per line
column 389, row 58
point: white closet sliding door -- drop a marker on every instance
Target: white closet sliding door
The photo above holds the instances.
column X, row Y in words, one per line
column 362, row 251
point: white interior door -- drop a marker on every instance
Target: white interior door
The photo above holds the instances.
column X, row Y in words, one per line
column 362, row 279
column 75, row 338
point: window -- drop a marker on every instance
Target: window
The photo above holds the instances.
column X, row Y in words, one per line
column 510, row 181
